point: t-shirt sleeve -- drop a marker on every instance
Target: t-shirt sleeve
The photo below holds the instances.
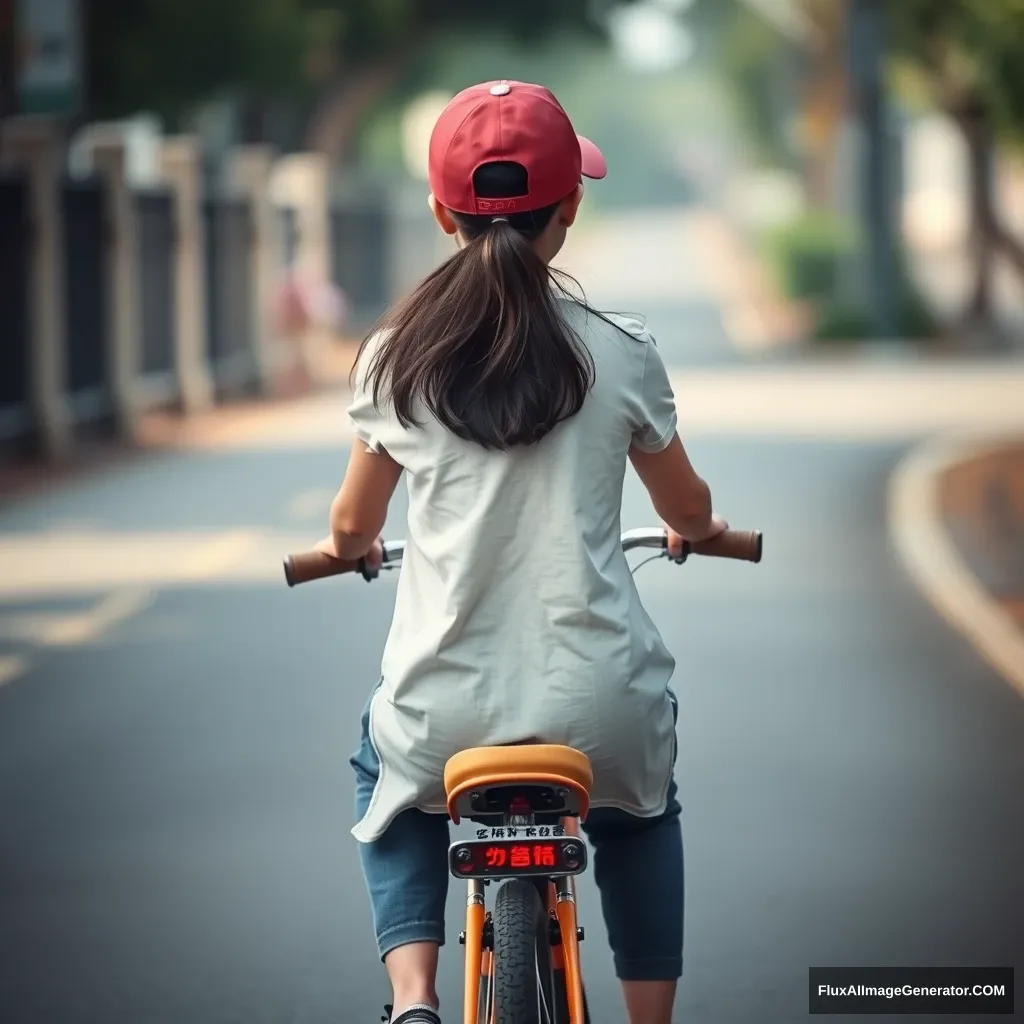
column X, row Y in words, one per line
column 368, row 420
column 656, row 404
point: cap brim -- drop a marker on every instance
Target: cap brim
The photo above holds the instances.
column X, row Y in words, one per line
column 594, row 164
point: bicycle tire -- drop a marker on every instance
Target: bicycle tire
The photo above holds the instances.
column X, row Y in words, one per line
column 520, row 922
column 552, row 979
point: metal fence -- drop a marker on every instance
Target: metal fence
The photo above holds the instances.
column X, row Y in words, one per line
column 290, row 235
column 15, row 304
column 229, row 327
column 157, row 248
column 378, row 246
column 383, row 241
column 86, row 308
column 360, row 255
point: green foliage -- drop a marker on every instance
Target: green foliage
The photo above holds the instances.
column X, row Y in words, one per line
column 806, row 256
column 166, row 55
column 752, row 57
column 919, row 323
column 966, row 48
column 836, row 320
column 839, row 320
column 641, row 121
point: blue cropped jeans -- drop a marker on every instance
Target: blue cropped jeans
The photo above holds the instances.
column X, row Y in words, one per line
column 637, row 863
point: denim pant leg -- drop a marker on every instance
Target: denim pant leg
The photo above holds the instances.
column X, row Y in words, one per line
column 638, row 867
column 406, row 869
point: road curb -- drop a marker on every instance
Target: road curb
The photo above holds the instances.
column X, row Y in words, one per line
column 931, row 558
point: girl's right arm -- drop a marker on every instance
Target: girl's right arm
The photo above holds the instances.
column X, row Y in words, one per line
column 679, row 495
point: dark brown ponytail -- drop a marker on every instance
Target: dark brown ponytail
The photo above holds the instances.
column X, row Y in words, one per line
column 482, row 342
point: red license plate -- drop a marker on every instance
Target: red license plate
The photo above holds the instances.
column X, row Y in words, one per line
column 501, row 858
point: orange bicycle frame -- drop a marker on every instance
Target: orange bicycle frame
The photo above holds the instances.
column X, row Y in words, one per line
column 565, row 957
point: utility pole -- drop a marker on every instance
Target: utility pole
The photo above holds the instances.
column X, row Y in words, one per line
column 866, row 51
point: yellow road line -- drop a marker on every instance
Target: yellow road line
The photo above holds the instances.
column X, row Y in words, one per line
column 933, row 562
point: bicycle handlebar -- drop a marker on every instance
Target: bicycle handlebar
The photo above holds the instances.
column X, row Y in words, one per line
column 743, row 545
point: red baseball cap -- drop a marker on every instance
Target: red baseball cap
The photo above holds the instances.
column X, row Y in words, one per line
column 515, row 122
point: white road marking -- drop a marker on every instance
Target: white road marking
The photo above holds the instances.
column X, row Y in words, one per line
column 47, row 564
column 12, row 666
column 219, row 554
column 108, row 613
column 933, row 562
column 27, row 627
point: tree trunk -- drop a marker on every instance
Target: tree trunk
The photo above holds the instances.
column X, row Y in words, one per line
column 972, row 117
column 824, row 98
column 1011, row 247
column 8, row 50
column 336, row 118
column 979, row 149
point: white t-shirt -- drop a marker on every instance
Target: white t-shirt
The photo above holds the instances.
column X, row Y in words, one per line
column 516, row 616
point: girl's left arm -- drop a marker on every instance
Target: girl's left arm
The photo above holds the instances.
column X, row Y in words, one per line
column 360, row 507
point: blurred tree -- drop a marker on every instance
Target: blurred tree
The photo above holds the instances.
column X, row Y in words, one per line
column 785, row 61
column 371, row 42
column 166, row 56
column 7, row 58
column 968, row 55
column 751, row 54
column 824, row 94
column 342, row 55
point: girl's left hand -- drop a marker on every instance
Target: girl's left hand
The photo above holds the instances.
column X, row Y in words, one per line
column 374, row 557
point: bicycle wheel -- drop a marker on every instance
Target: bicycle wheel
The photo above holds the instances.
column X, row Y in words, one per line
column 520, row 936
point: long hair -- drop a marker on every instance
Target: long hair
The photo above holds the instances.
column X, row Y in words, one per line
column 482, row 342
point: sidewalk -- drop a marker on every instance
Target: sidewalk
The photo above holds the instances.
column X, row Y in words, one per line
column 229, row 424
column 982, row 502
column 957, row 520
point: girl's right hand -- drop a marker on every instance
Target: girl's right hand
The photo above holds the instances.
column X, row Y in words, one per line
column 676, row 540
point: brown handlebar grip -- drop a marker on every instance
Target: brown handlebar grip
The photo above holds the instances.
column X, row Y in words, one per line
column 742, row 544
column 314, row 565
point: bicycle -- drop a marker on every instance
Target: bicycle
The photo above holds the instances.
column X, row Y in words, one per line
column 522, row 958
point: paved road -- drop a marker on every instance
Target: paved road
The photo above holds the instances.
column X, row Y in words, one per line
column 175, row 798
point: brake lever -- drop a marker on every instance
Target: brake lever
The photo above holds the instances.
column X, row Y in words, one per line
column 681, row 557
column 369, row 574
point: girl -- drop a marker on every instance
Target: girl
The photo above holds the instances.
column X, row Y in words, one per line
column 512, row 408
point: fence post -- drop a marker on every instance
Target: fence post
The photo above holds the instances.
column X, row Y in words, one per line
column 124, row 339
column 180, row 164
column 250, row 171
column 33, row 145
column 300, row 181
